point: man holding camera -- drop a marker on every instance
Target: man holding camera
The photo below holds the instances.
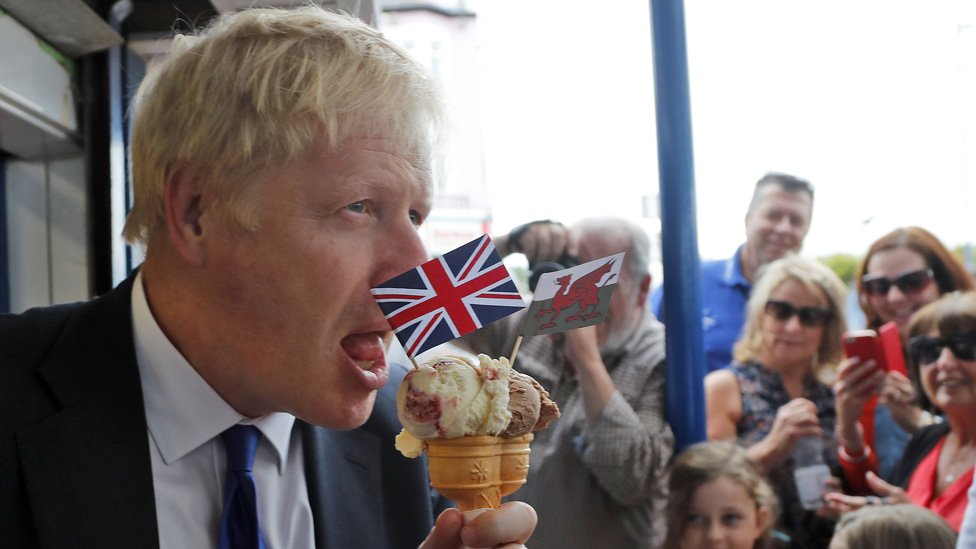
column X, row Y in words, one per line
column 595, row 477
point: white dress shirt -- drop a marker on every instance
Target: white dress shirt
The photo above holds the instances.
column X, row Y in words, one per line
column 185, row 418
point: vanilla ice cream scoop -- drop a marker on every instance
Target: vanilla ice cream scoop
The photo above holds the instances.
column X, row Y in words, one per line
column 452, row 397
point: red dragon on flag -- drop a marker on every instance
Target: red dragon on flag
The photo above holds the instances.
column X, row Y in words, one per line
column 574, row 297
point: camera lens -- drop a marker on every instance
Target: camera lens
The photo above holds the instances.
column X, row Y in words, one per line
column 541, row 269
column 566, row 261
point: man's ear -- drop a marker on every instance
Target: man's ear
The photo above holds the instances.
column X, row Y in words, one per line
column 184, row 208
column 644, row 290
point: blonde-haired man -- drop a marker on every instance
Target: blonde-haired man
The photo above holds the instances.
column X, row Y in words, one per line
column 281, row 168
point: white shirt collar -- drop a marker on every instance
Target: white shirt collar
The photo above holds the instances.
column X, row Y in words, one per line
column 182, row 410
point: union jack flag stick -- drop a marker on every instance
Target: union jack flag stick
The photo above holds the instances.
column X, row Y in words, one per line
column 449, row 296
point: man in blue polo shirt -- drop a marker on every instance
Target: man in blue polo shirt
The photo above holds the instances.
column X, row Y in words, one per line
column 776, row 223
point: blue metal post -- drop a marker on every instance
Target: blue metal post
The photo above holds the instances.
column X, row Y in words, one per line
column 682, row 272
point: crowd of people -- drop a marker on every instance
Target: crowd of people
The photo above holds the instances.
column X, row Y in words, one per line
column 891, row 444
column 897, row 442
column 281, row 162
column 895, row 445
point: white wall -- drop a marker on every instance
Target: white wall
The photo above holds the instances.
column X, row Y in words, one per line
column 46, row 215
column 47, row 232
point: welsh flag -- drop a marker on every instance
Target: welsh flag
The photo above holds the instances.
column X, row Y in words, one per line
column 574, row 297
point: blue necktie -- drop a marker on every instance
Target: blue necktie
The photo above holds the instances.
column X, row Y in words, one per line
column 239, row 523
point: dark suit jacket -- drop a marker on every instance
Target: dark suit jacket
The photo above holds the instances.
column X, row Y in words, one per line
column 74, row 449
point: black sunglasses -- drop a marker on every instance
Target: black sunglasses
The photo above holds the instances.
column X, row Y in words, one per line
column 927, row 349
column 809, row 316
column 907, row 283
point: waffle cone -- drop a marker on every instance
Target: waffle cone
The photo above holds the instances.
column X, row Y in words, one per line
column 477, row 471
column 514, row 462
column 467, row 470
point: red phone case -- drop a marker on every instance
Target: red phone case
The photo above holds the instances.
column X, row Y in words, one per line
column 884, row 346
column 889, row 339
column 864, row 345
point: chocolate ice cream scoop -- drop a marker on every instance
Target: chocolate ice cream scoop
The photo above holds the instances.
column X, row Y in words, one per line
column 530, row 405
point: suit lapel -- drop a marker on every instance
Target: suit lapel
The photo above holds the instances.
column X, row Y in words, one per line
column 344, row 487
column 87, row 468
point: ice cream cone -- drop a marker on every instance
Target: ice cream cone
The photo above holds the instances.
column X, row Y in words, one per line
column 467, row 470
column 515, row 462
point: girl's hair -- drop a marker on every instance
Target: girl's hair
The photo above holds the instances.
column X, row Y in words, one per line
column 951, row 314
column 704, row 462
column 263, row 87
column 948, row 272
column 816, row 278
column 905, row 526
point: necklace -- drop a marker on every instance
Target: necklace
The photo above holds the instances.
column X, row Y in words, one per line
column 958, row 466
column 955, row 471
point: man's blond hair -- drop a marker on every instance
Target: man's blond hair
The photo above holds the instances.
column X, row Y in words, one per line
column 260, row 88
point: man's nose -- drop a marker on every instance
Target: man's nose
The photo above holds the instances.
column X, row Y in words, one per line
column 784, row 225
column 402, row 251
column 414, row 252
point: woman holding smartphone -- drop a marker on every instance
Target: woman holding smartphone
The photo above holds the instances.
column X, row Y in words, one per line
column 902, row 271
column 936, row 469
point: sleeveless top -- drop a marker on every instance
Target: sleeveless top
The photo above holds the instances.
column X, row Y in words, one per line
column 763, row 392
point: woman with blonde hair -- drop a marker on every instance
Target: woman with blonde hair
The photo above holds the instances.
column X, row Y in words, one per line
column 777, row 391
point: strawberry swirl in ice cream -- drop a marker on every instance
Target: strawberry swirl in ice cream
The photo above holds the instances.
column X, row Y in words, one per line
column 452, row 397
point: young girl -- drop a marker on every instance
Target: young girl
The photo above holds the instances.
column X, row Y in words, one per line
column 718, row 499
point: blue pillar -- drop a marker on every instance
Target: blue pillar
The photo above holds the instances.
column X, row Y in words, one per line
column 679, row 246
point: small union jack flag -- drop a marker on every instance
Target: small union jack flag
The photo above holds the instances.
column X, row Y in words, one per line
column 449, row 296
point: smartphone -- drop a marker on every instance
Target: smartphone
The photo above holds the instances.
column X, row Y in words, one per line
column 883, row 346
column 863, row 344
column 889, row 339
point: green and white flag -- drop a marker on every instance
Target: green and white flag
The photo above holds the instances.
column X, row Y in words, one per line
column 574, row 297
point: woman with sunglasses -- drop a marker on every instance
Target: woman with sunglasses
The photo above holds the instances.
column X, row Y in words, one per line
column 937, row 467
column 777, row 389
column 902, row 271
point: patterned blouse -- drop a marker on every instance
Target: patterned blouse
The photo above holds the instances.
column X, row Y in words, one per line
column 763, row 392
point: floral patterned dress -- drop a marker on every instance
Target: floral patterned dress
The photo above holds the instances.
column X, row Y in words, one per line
column 763, row 392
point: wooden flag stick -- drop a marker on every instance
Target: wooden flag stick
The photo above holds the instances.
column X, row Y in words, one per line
column 518, row 342
column 415, row 365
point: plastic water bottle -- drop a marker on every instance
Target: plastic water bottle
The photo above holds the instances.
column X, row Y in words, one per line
column 810, row 471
